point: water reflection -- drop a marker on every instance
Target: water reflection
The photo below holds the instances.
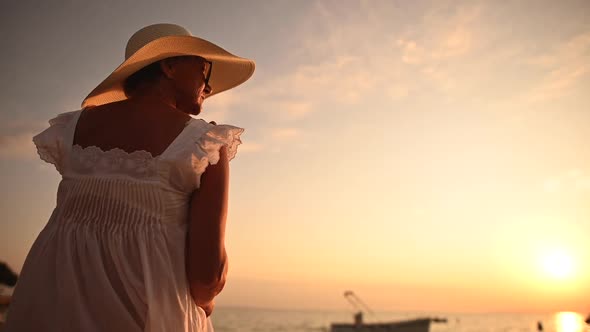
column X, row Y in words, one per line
column 569, row 322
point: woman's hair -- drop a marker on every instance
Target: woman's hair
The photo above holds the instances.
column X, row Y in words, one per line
column 148, row 74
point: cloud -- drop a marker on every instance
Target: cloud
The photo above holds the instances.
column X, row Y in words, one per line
column 371, row 52
column 457, row 42
column 18, row 146
column 345, row 54
column 356, row 53
column 341, row 80
column 411, row 52
column 440, row 77
column 565, row 65
column 287, row 110
column 442, row 36
column 296, row 109
column 285, row 133
column 559, row 82
column 396, row 92
column 374, row 52
column 219, row 107
column 250, row 147
column 361, row 55
column 456, row 34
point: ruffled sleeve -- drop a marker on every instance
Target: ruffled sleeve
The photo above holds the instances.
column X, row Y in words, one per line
column 51, row 143
column 207, row 145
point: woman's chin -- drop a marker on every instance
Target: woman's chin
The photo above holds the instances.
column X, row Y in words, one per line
column 190, row 108
column 196, row 109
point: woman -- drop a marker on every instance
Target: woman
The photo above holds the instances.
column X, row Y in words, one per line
column 136, row 241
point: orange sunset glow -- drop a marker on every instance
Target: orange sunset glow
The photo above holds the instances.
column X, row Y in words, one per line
column 429, row 155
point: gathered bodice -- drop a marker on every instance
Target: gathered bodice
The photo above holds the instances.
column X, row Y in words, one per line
column 117, row 187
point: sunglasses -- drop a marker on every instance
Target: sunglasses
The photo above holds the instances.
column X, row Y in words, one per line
column 208, row 76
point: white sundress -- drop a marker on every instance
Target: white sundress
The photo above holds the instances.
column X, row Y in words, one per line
column 112, row 256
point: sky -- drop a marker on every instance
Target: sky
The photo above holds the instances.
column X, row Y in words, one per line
column 429, row 155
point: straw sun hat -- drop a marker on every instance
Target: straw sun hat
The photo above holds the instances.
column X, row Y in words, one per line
column 160, row 41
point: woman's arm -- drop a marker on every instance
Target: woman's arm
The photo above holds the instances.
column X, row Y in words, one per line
column 206, row 258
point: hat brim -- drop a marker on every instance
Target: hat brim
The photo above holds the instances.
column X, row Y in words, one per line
column 228, row 72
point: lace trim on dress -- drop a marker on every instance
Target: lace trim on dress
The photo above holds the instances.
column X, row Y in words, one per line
column 50, row 142
column 48, row 154
column 211, row 142
column 94, row 160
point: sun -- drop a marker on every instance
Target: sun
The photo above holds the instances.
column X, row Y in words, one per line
column 558, row 264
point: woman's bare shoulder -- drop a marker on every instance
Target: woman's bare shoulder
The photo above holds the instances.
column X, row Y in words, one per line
column 129, row 110
column 130, row 127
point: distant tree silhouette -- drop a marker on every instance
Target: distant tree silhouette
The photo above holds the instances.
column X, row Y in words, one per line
column 7, row 276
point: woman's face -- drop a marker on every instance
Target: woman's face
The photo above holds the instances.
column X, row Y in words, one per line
column 188, row 77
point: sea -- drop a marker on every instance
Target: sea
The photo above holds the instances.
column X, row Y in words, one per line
column 233, row 319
